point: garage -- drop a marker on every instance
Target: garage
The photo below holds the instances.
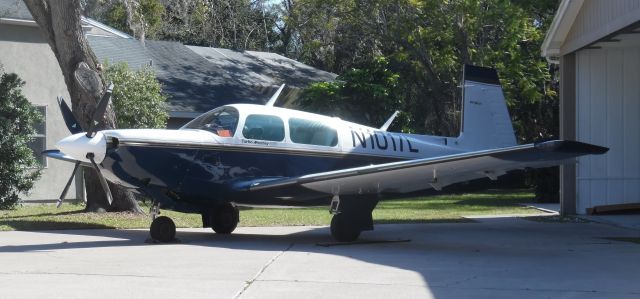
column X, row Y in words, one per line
column 597, row 45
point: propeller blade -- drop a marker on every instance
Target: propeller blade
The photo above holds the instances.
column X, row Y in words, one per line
column 98, row 114
column 72, row 124
column 103, row 181
column 66, row 187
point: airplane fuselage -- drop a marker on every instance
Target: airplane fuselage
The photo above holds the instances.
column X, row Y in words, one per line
column 202, row 165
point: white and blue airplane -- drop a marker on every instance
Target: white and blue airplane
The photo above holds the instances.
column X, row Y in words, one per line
column 259, row 155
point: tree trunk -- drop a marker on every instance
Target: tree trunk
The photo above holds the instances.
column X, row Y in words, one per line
column 60, row 23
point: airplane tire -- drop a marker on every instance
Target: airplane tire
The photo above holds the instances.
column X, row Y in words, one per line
column 225, row 219
column 342, row 230
column 163, row 229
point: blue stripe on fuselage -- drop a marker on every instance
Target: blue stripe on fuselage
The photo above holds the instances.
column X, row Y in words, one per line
column 205, row 176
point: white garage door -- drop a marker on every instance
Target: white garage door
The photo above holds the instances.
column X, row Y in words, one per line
column 608, row 114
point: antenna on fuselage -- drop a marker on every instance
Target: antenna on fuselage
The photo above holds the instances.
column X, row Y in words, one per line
column 389, row 121
column 274, row 97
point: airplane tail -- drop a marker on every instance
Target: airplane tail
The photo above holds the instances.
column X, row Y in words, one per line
column 485, row 118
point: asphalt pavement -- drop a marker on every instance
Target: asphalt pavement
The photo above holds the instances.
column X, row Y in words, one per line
column 490, row 258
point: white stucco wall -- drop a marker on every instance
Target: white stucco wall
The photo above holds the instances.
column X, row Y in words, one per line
column 23, row 51
column 608, row 114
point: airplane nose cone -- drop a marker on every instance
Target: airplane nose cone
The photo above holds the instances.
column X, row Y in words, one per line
column 79, row 145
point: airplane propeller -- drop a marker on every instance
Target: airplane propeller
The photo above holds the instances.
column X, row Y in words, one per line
column 69, row 119
column 98, row 114
column 74, row 127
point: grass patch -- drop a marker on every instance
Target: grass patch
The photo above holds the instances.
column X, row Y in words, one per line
column 440, row 208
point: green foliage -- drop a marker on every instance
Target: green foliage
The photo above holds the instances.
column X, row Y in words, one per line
column 146, row 13
column 367, row 95
column 17, row 120
column 137, row 97
column 233, row 24
column 151, row 13
column 426, row 43
column 116, row 17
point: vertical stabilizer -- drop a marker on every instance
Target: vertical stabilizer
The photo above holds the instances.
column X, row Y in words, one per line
column 485, row 118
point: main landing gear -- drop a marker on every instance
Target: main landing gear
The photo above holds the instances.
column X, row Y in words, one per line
column 223, row 219
column 351, row 216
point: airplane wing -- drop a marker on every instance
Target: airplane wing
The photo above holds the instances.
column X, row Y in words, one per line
column 420, row 174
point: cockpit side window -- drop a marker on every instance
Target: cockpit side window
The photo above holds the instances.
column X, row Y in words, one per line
column 306, row 131
column 263, row 127
column 220, row 121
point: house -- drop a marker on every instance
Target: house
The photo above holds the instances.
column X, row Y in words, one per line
column 597, row 44
column 198, row 79
column 195, row 79
column 24, row 51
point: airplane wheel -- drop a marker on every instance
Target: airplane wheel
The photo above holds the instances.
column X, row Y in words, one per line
column 225, row 219
column 163, row 229
column 341, row 230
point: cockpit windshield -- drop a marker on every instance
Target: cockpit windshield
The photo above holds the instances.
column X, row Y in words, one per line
column 220, row 121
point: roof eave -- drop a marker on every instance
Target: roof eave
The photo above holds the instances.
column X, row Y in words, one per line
column 18, row 22
column 105, row 27
column 559, row 29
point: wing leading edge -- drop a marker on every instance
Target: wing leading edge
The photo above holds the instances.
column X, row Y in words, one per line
column 420, row 174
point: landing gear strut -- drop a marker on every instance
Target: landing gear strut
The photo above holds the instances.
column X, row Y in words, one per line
column 342, row 230
column 162, row 228
column 223, row 219
column 351, row 216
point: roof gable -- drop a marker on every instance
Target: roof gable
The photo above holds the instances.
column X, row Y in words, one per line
column 562, row 22
column 578, row 24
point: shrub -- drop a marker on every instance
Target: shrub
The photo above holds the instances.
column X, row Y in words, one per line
column 18, row 166
column 137, row 97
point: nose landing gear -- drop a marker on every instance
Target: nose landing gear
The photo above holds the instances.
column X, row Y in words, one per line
column 162, row 227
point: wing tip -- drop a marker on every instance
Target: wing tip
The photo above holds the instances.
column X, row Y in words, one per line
column 570, row 146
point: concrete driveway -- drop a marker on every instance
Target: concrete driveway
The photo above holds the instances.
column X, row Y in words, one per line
column 492, row 258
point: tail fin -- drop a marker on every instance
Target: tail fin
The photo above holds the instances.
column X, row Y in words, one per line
column 485, row 118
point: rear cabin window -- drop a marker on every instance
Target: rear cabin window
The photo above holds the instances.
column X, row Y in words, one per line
column 220, row 121
column 263, row 127
column 312, row 132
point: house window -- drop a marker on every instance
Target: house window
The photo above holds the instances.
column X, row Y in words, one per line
column 263, row 127
column 39, row 141
column 312, row 132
